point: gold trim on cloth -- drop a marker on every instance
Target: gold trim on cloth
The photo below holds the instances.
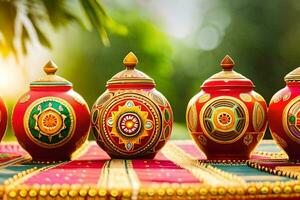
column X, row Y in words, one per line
column 203, row 171
column 14, row 186
column 119, row 181
column 119, row 175
column 271, row 155
column 287, row 171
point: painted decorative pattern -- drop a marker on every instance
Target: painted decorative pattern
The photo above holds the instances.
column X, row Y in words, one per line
column 248, row 139
column 25, row 98
column 95, row 115
column 258, row 97
column 131, row 123
column 50, row 122
column 204, row 98
column 286, row 96
column 104, row 98
column 258, row 116
column 291, row 119
column 276, row 98
column 202, row 140
column 245, row 97
column 192, row 117
column 224, row 119
column 157, row 98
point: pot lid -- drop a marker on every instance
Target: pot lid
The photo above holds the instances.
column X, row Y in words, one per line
column 130, row 75
column 227, row 77
column 51, row 79
column 293, row 75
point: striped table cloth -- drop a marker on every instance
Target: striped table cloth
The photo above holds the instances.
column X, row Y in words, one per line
column 179, row 171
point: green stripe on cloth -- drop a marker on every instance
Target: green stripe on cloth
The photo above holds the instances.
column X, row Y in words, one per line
column 10, row 171
column 250, row 174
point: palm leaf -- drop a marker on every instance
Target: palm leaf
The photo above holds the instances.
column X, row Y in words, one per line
column 57, row 14
column 41, row 36
column 96, row 17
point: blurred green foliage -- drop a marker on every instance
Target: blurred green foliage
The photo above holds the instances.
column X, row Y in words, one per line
column 22, row 21
column 262, row 38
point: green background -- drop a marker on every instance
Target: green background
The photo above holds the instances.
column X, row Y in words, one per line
column 181, row 44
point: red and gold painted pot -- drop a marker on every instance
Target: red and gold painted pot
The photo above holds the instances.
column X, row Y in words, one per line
column 51, row 121
column 284, row 115
column 227, row 118
column 3, row 118
column 131, row 119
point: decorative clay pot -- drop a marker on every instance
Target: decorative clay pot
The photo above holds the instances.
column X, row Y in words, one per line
column 284, row 115
column 51, row 121
column 227, row 118
column 131, row 119
column 3, row 118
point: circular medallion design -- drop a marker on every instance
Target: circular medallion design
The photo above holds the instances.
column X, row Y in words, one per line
column 224, row 119
column 291, row 119
column 130, row 123
column 49, row 122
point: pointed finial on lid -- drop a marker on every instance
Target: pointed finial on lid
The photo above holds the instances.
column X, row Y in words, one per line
column 227, row 63
column 130, row 61
column 50, row 68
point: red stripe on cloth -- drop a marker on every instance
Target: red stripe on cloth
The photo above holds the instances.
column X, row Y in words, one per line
column 161, row 170
column 84, row 170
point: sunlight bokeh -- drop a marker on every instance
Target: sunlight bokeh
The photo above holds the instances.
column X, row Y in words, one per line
column 12, row 79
